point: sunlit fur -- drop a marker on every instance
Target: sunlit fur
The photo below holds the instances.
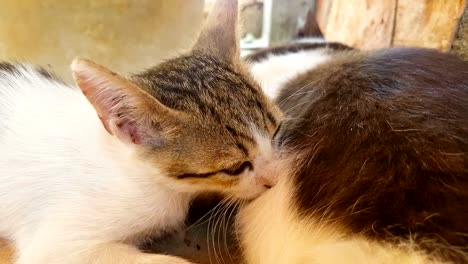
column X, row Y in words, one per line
column 274, row 67
column 85, row 176
column 298, row 221
column 273, row 232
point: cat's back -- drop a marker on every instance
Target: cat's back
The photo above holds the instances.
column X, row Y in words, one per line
column 23, row 85
column 384, row 138
column 41, row 118
column 275, row 66
column 375, row 163
column 20, row 78
column 30, row 95
column 384, row 75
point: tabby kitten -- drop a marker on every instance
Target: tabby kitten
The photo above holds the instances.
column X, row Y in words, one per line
column 373, row 164
column 77, row 187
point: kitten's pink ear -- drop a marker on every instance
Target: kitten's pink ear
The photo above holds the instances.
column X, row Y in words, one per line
column 219, row 35
column 123, row 107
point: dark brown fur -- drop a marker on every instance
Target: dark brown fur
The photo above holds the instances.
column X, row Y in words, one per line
column 292, row 48
column 7, row 67
column 381, row 141
column 11, row 68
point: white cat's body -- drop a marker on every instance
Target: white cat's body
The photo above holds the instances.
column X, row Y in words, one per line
column 86, row 173
column 276, row 70
column 62, row 179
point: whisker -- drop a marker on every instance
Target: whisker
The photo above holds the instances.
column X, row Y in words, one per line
column 295, row 106
column 293, row 94
column 212, row 228
column 217, row 230
column 208, row 237
column 198, row 223
column 234, row 208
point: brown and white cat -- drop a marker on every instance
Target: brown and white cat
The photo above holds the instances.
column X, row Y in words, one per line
column 76, row 187
column 374, row 160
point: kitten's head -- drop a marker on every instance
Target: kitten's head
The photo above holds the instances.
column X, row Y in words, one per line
column 199, row 119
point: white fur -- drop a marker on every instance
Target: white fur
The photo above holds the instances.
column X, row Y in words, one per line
column 272, row 232
column 275, row 70
column 70, row 192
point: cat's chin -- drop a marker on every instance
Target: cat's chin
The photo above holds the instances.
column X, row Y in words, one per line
column 250, row 193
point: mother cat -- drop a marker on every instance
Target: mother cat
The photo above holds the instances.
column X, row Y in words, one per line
column 374, row 159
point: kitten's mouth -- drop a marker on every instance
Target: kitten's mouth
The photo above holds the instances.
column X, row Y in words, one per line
column 248, row 200
column 250, row 195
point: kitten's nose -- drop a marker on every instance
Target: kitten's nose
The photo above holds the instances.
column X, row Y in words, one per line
column 267, row 176
column 266, row 171
column 266, row 181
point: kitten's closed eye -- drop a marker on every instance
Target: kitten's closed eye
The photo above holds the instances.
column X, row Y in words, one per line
column 277, row 130
column 247, row 165
column 234, row 171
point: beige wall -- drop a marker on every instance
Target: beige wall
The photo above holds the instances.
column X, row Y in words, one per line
column 125, row 35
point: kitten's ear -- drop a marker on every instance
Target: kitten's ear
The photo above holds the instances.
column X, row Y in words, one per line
column 219, row 35
column 125, row 110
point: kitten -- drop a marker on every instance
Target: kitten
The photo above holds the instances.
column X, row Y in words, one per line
column 373, row 165
column 80, row 187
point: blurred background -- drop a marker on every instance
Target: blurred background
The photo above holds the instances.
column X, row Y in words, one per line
column 130, row 35
column 125, row 35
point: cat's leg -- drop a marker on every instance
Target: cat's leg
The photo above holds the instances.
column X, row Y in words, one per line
column 57, row 247
column 90, row 253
